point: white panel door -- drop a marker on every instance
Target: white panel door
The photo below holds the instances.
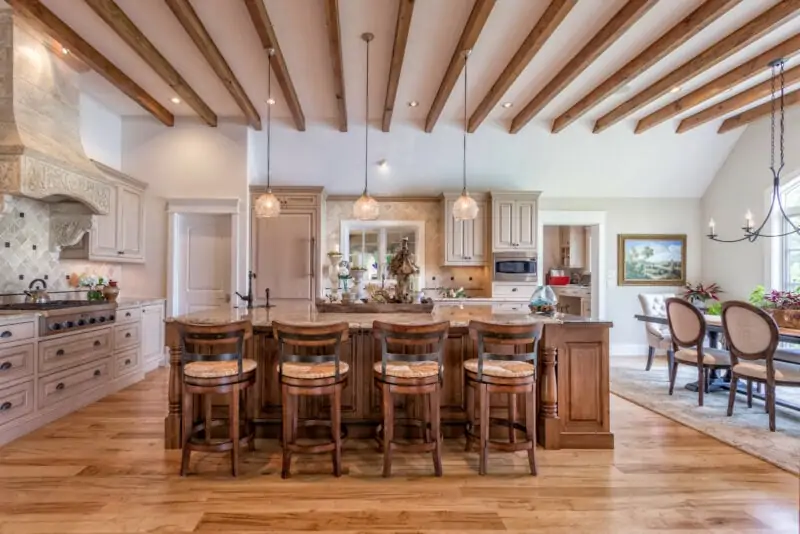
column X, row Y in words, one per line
column 204, row 262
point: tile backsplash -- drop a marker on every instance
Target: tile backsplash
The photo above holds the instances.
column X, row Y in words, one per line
column 25, row 251
column 476, row 280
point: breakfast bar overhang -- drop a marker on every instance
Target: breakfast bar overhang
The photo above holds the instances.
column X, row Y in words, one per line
column 572, row 372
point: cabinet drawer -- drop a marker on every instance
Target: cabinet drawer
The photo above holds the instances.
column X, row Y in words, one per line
column 128, row 315
column 126, row 362
column 521, row 291
column 65, row 384
column 16, row 362
column 16, row 401
column 16, row 332
column 126, row 336
column 69, row 351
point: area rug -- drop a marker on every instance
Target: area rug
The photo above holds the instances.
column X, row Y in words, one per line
column 747, row 429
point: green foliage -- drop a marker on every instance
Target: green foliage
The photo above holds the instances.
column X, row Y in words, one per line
column 714, row 309
column 757, row 297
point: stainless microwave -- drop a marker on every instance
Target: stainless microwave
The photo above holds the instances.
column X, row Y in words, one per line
column 514, row 267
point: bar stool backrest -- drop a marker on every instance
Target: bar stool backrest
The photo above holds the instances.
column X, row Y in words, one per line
column 407, row 337
column 751, row 332
column 308, row 339
column 686, row 324
column 213, row 343
column 505, row 335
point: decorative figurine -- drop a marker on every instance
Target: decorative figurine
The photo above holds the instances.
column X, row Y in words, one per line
column 402, row 267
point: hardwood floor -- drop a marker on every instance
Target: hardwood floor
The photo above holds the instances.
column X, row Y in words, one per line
column 104, row 470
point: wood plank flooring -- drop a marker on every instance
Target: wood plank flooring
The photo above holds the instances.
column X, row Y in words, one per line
column 104, row 470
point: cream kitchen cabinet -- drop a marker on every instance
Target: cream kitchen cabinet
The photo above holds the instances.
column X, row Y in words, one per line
column 118, row 236
column 514, row 221
column 573, row 246
column 465, row 241
column 152, row 335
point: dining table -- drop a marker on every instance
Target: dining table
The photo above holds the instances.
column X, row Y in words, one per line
column 714, row 332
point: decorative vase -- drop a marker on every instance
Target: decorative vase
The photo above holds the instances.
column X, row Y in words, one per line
column 334, row 258
column 111, row 291
column 787, row 318
column 543, row 300
column 358, row 282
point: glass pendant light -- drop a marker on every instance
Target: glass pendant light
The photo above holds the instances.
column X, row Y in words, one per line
column 366, row 208
column 268, row 205
column 465, row 207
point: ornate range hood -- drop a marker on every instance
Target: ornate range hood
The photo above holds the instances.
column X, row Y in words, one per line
column 41, row 154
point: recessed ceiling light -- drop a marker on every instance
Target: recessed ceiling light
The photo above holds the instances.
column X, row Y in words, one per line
column 507, row 104
column 413, row 104
column 383, row 164
column 270, row 101
column 676, row 89
column 64, row 50
column 175, row 100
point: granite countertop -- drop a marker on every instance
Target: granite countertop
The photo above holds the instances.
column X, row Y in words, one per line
column 139, row 301
column 459, row 315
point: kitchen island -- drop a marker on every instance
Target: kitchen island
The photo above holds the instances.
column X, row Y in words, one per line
column 573, row 389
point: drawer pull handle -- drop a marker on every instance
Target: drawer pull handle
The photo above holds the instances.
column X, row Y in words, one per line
column 6, row 334
column 128, row 361
column 60, row 352
column 127, row 314
column 60, row 386
column 128, row 335
column 97, row 372
column 97, row 343
column 513, row 289
column 5, row 366
column 6, row 406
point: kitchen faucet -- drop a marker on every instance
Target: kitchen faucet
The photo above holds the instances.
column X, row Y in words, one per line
column 249, row 298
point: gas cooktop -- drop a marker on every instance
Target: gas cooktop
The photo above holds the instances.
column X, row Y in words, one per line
column 60, row 316
column 52, row 305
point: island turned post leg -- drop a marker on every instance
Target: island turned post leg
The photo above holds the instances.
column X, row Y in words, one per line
column 172, row 423
column 549, row 432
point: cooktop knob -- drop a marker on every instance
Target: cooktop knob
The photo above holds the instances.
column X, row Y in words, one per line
column 81, row 322
column 68, row 324
column 92, row 320
column 111, row 317
column 55, row 326
column 102, row 319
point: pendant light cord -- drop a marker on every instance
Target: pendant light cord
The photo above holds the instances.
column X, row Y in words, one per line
column 366, row 126
column 464, row 162
column 269, row 118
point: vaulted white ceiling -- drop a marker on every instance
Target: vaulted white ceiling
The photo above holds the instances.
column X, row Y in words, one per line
column 677, row 165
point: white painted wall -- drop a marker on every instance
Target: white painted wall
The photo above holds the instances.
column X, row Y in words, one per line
column 636, row 216
column 101, row 132
column 741, row 184
column 189, row 160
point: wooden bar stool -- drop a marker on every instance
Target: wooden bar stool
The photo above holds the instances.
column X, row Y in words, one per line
column 315, row 372
column 213, row 363
column 514, row 374
column 406, row 371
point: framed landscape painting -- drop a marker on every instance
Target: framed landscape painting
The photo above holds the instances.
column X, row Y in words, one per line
column 651, row 260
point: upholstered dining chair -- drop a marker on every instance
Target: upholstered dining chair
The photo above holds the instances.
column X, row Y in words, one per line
column 687, row 329
column 658, row 338
column 753, row 339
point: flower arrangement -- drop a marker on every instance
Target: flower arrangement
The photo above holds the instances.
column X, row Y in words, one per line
column 94, row 286
column 783, row 300
column 699, row 293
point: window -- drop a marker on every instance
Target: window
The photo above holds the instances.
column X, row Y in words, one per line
column 372, row 244
column 790, row 275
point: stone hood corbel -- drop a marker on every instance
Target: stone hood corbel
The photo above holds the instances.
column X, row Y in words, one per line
column 41, row 154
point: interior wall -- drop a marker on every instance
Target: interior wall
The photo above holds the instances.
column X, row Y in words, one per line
column 743, row 183
column 637, row 216
column 189, row 160
column 101, row 132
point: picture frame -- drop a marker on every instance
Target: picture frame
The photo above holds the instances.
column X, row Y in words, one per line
column 651, row 259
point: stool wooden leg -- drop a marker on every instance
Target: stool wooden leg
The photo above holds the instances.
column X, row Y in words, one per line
column 250, row 416
column 388, row 429
column 484, row 441
column 336, row 429
column 426, row 419
column 470, row 415
column 188, row 412
column 207, row 420
column 512, row 417
column 436, row 431
column 749, row 393
column 286, row 400
column 530, row 426
column 233, row 423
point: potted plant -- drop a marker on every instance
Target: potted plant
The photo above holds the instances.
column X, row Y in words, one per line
column 784, row 306
column 699, row 294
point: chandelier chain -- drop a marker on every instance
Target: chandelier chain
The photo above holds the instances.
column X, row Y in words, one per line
column 366, row 125
column 269, row 117
column 464, row 162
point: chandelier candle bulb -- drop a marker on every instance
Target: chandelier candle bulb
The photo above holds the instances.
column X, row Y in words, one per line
column 748, row 220
column 711, row 227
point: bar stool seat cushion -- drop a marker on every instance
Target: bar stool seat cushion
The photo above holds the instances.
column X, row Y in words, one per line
column 218, row 369
column 784, row 372
column 710, row 356
column 312, row 371
column 501, row 368
column 408, row 369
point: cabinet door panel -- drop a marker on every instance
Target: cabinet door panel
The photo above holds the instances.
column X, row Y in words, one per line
column 503, row 225
column 152, row 332
column 130, row 221
column 456, row 240
column 105, row 232
column 283, row 256
column 477, row 236
column 525, row 224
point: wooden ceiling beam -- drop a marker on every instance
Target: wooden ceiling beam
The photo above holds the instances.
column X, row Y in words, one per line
column 687, row 28
column 266, row 34
column 743, row 99
column 541, row 32
column 404, row 12
column 751, row 115
column 186, row 15
column 631, row 12
column 472, row 30
column 118, row 21
column 47, row 22
column 721, row 84
column 734, row 42
column 335, row 50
